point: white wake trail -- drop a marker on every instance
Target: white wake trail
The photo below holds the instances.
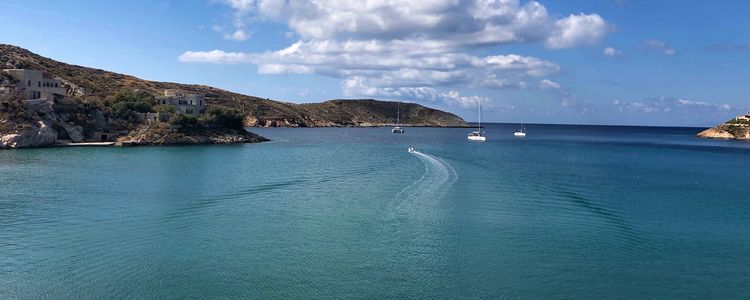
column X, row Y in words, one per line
column 429, row 189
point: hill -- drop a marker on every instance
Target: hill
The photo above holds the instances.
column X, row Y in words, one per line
column 90, row 85
column 737, row 128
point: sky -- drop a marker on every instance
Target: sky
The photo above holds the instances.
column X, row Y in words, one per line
column 617, row 62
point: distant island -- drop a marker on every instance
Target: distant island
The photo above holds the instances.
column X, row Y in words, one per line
column 44, row 102
column 737, row 128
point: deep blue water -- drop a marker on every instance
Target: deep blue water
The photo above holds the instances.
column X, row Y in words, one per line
column 570, row 212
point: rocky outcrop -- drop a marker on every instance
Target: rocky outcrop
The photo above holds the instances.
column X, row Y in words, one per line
column 162, row 134
column 716, row 133
column 39, row 135
column 737, row 128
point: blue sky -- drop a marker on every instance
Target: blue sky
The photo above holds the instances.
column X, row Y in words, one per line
column 582, row 62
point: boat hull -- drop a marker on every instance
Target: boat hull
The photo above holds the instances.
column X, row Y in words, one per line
column 477, row 138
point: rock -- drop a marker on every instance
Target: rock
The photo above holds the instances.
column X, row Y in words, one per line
column 9, row 140
column 716, row 133
column 75, row 132
column 250, row 121
column 34, row 136
column 161, row 134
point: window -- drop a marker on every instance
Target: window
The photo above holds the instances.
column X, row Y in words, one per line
column 38, row 84
column 55, row 84
column 29, row 83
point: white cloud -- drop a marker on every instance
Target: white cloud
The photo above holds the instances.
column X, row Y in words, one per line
column 472, row 22
column 238, row 35
column 670, row 105
column 658, row 47
column 408, row 48
column 388, row 64
column 214, row 57
column 612, row 52
column 577, row 30
column 547, row 84
column 240, row 5
column 355, row 87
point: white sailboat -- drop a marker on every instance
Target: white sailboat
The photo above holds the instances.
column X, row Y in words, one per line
column 478, row 135
column 521, row 132
column 398, row 128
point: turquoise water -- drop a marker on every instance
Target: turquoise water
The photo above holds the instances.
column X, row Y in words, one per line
column 577, row 212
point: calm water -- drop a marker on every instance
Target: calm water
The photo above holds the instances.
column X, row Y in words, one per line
column 569, row 212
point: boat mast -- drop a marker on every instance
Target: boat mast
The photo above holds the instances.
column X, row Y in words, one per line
column 479, row 126
column 398, row 115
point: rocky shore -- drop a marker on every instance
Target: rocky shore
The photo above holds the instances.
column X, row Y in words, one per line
column 724, row 132
column 162, row 134
column 737, row 129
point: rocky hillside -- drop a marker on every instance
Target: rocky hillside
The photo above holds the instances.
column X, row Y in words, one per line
column 737, row 128
column 85, row 84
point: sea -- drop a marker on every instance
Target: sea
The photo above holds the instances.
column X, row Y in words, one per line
column 569, row 212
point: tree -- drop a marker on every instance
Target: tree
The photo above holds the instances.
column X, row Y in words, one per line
column 183, row 120
column 225, row 117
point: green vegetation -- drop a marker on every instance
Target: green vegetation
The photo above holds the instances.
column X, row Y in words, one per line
column 223, row 117
column 738, row 122
column 164, row 108
column 127, row 104
column 184, row 120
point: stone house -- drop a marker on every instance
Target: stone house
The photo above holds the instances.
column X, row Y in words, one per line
column 184, row 103
column 33, row 85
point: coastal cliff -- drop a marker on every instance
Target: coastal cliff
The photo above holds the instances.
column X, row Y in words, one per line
column 737, row 128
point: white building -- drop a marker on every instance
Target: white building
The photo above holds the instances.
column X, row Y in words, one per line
column 184, row 103
column 33, row 85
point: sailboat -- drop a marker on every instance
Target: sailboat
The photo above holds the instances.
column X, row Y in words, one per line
column 398, row 128
column 478, row 135
column 521, row 132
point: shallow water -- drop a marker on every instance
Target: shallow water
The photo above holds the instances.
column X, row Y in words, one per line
column 568, row 212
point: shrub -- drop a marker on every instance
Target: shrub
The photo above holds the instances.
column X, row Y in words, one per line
column 224, row 117
column 164, row 108
column 136, row 101
column 184, row 120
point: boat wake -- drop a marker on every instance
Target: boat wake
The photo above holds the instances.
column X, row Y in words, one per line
column 426, row 191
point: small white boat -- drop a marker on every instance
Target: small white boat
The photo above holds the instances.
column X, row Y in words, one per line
column 521, row 133
column 398, row 128
column 478, row 135
column 411, row 150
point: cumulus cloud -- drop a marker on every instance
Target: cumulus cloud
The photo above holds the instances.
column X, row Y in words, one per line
column 356, row 87
column 612, row 52
column 408, row 48
column 578, row 30
column 657, row 46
